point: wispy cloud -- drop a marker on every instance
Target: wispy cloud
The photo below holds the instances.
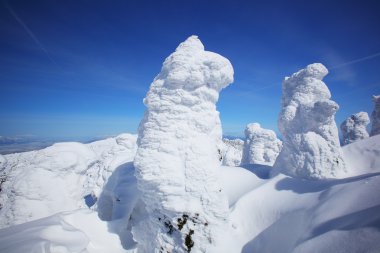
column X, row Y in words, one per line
column 29, row 32
column 356, row 61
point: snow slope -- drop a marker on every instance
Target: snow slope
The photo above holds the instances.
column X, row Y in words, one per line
column 281, row 214
column 65, row 176
column 363, row 156
column 293, row 215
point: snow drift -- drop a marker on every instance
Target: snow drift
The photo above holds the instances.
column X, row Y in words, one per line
column 178, row 158
column 77, row 231
column 311, row 147
column 354, row 127
column 261, row 145
column 328, row 215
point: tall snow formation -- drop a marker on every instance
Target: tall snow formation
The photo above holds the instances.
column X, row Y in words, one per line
column 232, row 152
column 354, row 127
column 178, row 161
column 375, row 116
column 311, row 146
column 261, row 145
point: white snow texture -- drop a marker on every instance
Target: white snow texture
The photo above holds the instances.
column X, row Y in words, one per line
column 375, row 116
column 178, row 157
column 340, row 215
column 59, row 178
column 354, row 127
column 311, row 147
column 261, row 145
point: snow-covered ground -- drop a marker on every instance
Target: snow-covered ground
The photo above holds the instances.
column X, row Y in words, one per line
column 280, row 214
column 62, row 177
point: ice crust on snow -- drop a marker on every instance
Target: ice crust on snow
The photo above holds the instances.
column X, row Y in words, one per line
column 375, row 116
column 261, row 145
column 354, row 127
column 311, row 147
column 55, row 179
column 178, row 158
column 232, row 152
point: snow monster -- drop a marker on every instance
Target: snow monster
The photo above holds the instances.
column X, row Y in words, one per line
column 354, row 128
column 261, row 145
column 178, row 160
column 311, row 147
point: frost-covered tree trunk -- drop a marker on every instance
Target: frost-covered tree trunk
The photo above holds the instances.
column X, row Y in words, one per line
column 354, row 127
column 261, row 146
column 311, row 147
column 375, row 130
column 177, row 162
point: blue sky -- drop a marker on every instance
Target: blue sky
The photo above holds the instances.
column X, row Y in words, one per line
column 81, row 68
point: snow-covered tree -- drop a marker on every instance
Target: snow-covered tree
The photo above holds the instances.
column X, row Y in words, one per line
column 261, row 145
column 354, row 127
column 177, row 162
column 232, row 152
column 311, row 147
column 375, row 116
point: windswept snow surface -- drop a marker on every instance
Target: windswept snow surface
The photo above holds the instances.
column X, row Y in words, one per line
column 375, row 130
column 280, row 214
column 63, row 177
column 363, row 157
column 261, row 145
column 286, row 214
column 80, row 232
column 354, row 127
column 178, row 158
column 311, row 147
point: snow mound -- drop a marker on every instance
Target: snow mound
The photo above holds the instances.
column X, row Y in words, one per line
column 375, row 116
column 363, row 157
column 261, row 145
column 232, row 152
column 311, row 147
column 314, row 210
column 78, row 231
column 63, row 177
column 178, row 158
column 354, row 127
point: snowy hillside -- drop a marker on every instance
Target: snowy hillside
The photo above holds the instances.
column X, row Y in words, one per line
column 65, row 176
column 281, row 214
